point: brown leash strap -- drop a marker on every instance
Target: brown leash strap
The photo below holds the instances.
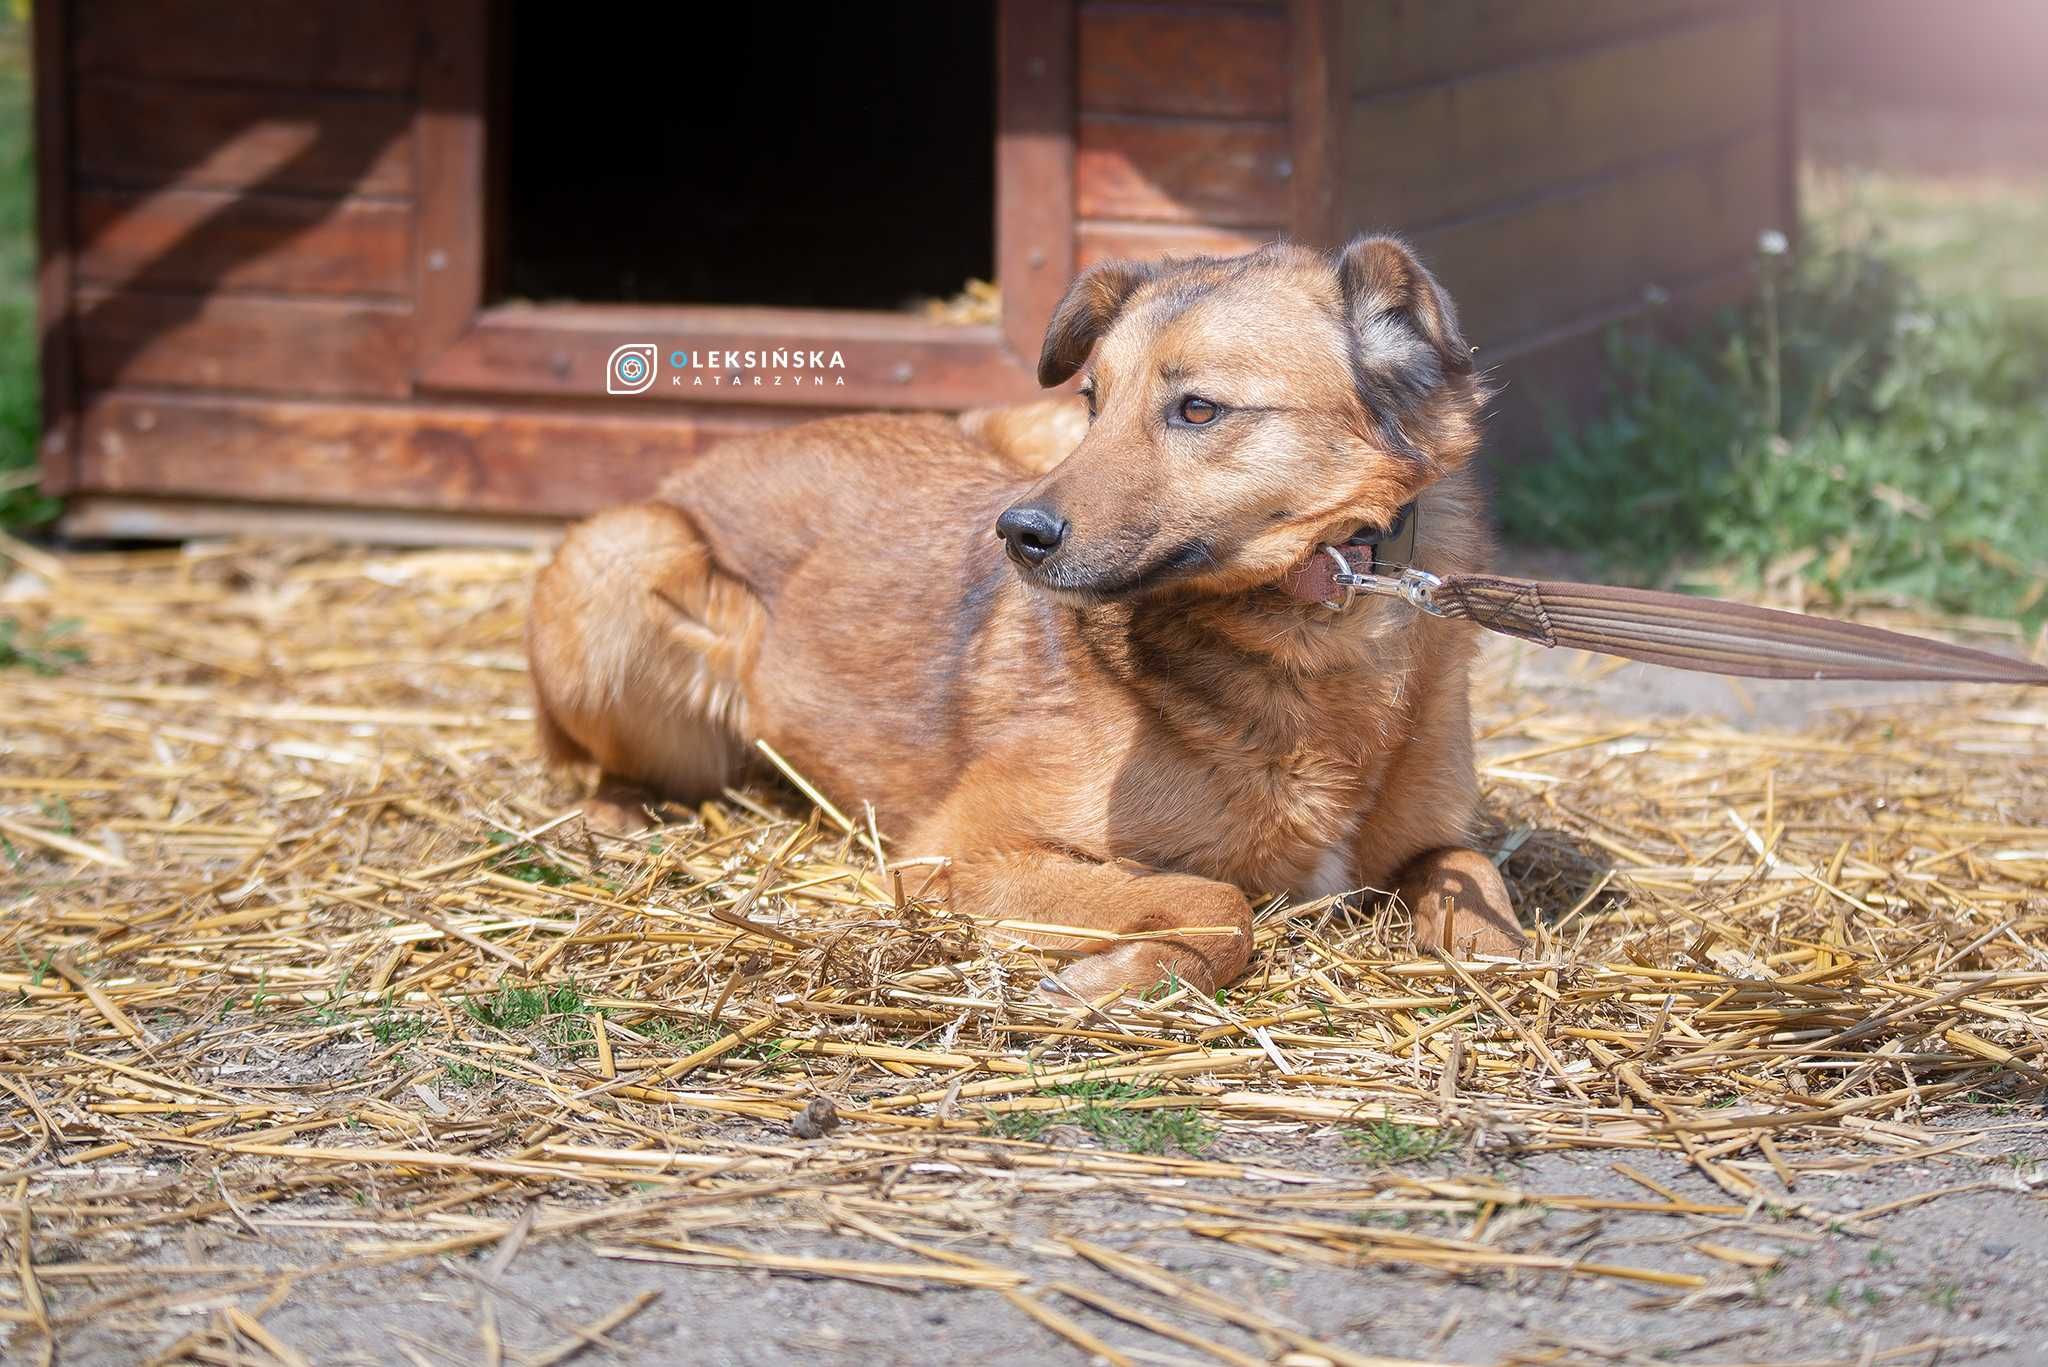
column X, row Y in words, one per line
column 1706, row 634
column 1710, row 634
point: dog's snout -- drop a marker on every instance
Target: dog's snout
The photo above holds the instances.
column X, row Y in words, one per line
column 1031, row 533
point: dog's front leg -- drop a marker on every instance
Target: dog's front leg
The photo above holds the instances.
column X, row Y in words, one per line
column 1117, row 899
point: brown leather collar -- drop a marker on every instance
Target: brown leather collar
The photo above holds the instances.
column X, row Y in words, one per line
column 1369, row 550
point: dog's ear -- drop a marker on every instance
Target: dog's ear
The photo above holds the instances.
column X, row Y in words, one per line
column 1091, row 304
column 1405, row 338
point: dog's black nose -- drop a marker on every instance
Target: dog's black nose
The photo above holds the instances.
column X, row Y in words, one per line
column 1030, row 533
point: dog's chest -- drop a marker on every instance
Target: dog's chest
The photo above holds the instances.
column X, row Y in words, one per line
column 1275, row 801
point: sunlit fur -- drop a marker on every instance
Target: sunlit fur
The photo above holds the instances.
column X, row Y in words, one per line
column 1140, row 730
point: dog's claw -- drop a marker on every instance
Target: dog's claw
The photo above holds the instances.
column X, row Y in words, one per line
column 1054, row 990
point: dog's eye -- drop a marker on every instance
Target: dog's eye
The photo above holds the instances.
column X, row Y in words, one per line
column 1198, row 412
column 1088, row 393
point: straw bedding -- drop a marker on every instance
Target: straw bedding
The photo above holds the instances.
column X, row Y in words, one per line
column 290, row 920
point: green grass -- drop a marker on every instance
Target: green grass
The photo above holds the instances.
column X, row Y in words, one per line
column 684, row 1034
column 557, row 1014
column 1392, row 1143
column 528, row 863
column 465, row 1074
column 396, row 1027
column 57, row 811
column 1100, row 1112
column 20, row 504
column 1385, row 1219
column 687, row 1034
column 1971, row 235
column 1874, row 421
column 513, row 1009
column 48, row 651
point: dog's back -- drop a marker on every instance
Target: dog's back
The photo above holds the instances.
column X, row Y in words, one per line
column 880, row 500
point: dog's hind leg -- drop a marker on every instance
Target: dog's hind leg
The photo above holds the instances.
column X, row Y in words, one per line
column 1048, row 887
column 638, row 647
column 1030, row 437
column 1460, row 904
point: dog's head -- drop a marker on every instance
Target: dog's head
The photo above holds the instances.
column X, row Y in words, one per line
column 1243, row 410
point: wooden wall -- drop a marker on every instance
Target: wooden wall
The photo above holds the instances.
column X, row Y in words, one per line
column 1182, row 136
column 1561, row 166
column 240, row 205
column 234, row 246
column 242, row 197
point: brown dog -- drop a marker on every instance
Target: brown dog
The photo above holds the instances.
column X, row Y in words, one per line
column 1130, row 719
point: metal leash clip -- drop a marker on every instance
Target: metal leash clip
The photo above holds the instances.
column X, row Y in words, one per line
column 1416, row 587
column 1344, row 579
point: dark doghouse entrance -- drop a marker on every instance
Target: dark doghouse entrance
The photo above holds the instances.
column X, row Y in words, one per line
column 837, row 156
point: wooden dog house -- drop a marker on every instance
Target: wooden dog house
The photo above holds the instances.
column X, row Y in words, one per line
column 311, row 260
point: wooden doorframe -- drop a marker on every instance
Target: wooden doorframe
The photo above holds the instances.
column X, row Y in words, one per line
column 1319, row 97
column 50, row 48
column 469, row 346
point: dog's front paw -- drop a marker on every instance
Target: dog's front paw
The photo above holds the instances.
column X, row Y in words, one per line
column 1141, row 969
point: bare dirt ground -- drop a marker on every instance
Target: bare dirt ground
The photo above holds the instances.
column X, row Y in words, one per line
column 1900, row 1233
column 1955, row 1278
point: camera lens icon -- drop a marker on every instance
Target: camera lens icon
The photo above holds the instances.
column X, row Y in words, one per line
column 631, row 370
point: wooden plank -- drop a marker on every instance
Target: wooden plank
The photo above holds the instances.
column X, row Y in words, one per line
column 124, row 518
column 1561, row 375
column 215, row 239
column 1393, row 43
column 1319, row 94
column 1146, row 241
column 55, row 266
column 245, row 343
column 1790, row 144
column 299, row 44
column 561, row 463
column 1439, row 151
column 452, row 173
column 1034, row 165
column 1183, row 171
column 890, row 360
column 1561, row 380
column 1218, row 61
column 140, row 134
column 1603, row 246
